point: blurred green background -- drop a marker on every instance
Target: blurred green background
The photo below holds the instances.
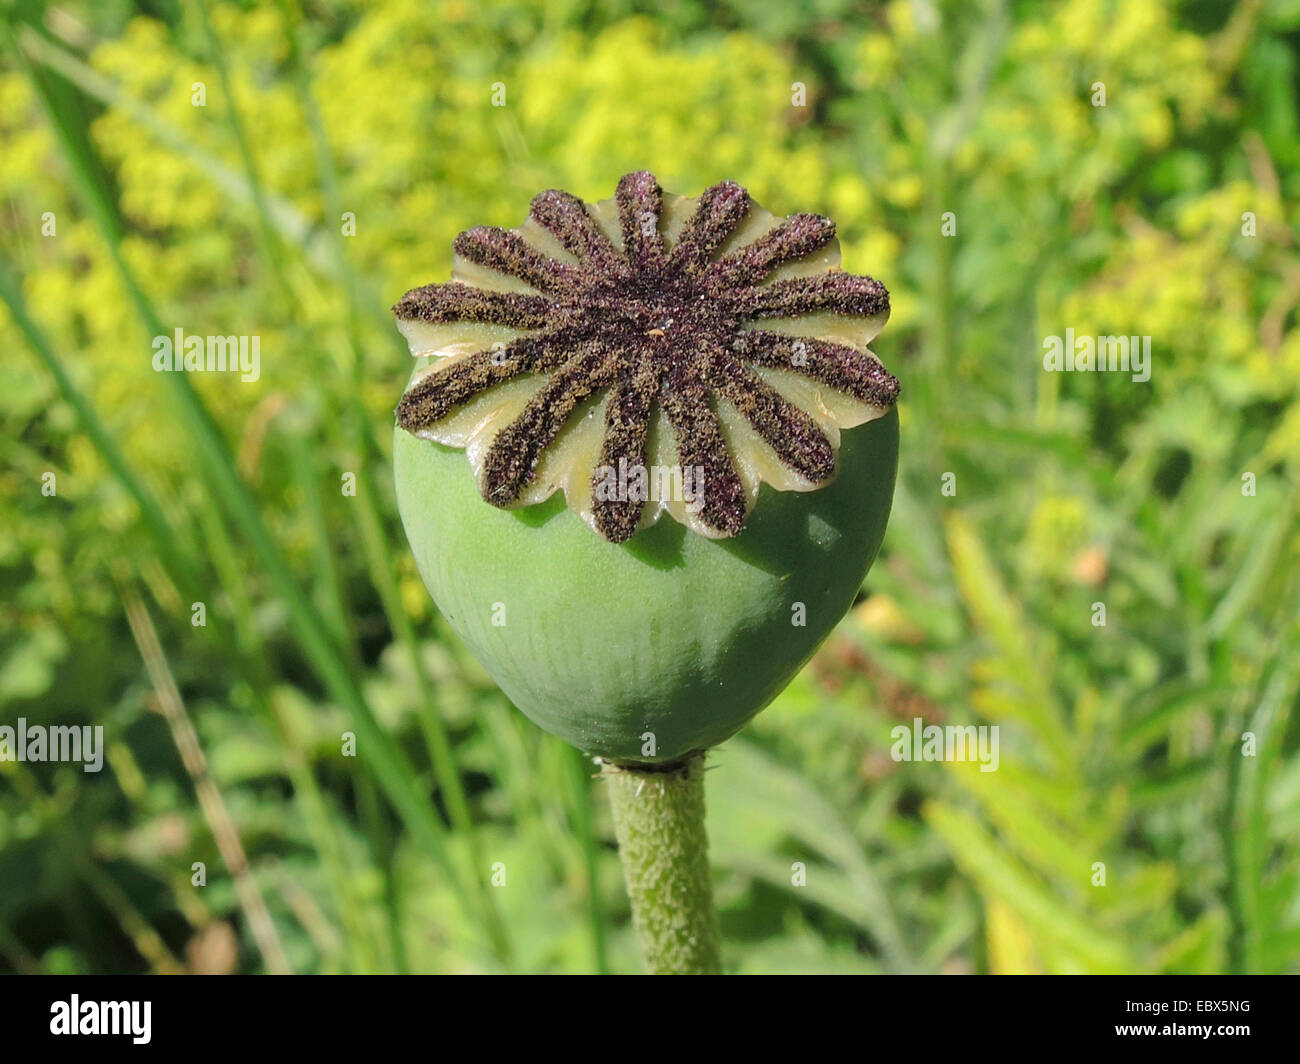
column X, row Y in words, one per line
column 287, row 170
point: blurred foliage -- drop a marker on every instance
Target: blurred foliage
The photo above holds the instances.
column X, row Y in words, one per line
column 1168, row 212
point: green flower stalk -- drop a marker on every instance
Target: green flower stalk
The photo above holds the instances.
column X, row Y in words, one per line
column 659, row 822
column 681, row 459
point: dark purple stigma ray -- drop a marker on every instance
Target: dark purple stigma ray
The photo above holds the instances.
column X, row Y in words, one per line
column 438, row 392
column 441, row 304
column 721, row 208
column 791, row 432
column 640, row 202
column 842, row 368
column 567, row 219
column 795, row 238
column 701, row 446
column 627, row 428
column 838, row 293
column 512, row 459
column 505, row 252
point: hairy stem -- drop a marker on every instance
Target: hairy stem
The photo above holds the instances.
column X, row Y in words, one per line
column 659, row 821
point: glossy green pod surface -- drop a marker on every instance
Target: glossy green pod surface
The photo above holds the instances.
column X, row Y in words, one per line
column 646, row 650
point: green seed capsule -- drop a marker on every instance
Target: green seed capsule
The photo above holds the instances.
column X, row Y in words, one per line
column 681, row 458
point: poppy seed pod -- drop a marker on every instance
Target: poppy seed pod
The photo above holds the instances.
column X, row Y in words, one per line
column 645, row 458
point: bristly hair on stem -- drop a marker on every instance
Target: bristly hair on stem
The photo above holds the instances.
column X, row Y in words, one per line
column 662, row 843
